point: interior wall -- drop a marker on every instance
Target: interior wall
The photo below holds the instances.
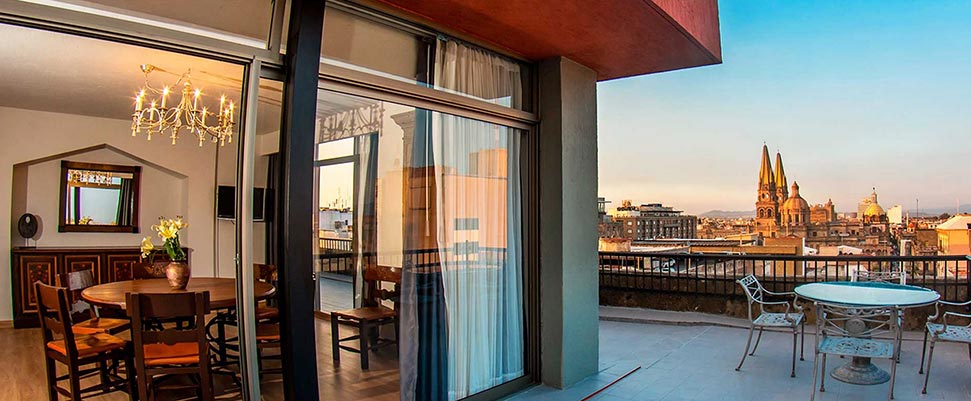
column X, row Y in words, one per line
column 30, row 135
column 165, row 196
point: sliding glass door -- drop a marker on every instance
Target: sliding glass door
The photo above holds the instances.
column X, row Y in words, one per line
column 431, row 206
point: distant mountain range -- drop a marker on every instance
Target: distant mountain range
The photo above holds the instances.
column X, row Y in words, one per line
column 728, row 214
column 928, row 212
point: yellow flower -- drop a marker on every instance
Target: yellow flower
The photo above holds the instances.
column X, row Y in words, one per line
column 179, row 224
column 147, row 247
column 168, row 228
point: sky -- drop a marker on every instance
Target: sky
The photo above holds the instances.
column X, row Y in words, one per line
column 855, row 94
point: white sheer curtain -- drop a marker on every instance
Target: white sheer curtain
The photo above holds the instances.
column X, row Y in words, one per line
column 479, row 237
column 479, row 221
column 477, row 73
column 461, row 318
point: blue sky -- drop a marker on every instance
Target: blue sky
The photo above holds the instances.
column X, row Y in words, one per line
column 855, row 94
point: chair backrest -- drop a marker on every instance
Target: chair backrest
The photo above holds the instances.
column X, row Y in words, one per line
column 75, row 282
column 842, row 321
column 55, row 320
column 264, row 273
column 374, row 275
column 889, row 276
column 146, row 310
column 146, row 270
column 752, row 287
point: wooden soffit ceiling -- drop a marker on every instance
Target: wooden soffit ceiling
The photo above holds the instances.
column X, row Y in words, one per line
column 616, row 38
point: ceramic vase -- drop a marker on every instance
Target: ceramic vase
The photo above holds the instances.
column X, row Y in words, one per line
column 178, row 274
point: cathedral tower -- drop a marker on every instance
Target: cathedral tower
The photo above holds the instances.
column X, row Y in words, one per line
column 767, row 204
column 781, row 185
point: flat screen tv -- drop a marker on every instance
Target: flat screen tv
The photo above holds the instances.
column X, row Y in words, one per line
column 226, row 203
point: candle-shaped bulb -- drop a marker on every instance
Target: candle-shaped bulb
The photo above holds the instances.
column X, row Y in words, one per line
column 231, row 107
column 165, row 95
column 139, row 99
column 195, row 99
column 204, row 113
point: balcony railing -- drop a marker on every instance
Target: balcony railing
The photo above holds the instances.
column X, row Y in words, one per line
column 344, row 263
column 716, row 274
column 335, row 244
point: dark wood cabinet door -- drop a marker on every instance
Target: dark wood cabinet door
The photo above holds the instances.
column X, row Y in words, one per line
column 73, row 263
column 120, row 265
column 34, row 268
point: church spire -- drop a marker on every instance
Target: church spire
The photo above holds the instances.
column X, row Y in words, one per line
column 766, row 179
column 780, row 179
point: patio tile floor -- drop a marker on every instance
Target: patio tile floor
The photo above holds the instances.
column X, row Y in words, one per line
column 697, row 362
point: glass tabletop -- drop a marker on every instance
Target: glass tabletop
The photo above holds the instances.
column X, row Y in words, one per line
column 867, row 294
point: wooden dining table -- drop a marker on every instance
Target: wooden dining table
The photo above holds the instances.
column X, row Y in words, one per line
column 222, row 291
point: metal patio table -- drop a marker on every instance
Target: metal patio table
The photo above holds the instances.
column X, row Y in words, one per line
column 865, row 294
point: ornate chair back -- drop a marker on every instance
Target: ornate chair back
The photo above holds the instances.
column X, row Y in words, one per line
column 75, row 282
column 754, row 292
column 842, row 321
column 265, row 273
column 895, row 276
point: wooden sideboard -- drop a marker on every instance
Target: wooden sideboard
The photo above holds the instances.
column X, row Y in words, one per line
column 29, row 265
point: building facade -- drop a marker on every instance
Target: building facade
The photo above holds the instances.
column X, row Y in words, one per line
column 654, row 221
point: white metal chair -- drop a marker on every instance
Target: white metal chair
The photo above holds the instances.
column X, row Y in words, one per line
column 894, row 276
column 943, row 332
column 792, row 318
column 855, row 332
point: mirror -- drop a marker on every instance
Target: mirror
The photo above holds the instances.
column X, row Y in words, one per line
column 98, row 198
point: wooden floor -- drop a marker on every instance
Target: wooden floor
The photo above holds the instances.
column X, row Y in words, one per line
column 22, row 372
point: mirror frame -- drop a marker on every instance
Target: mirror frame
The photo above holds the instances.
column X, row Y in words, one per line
column 62, row 225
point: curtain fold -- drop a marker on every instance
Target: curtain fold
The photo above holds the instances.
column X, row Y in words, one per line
column 125, row 195
column 365, row 228
column 477, row 73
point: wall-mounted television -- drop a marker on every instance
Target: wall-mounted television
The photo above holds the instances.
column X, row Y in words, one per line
column 226, row 203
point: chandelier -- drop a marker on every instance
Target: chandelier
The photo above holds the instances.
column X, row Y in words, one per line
column 81, row 177
column 161, row 118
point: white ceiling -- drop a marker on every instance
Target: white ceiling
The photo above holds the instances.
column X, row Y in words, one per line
column 69, row 74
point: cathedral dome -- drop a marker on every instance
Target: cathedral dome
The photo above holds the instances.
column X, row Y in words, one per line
column 874, row 210
column 795, row 201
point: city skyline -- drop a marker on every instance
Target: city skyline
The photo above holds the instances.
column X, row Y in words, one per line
column 854, row 96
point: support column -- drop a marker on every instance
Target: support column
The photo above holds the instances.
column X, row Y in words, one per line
column 295, row 208
column 569, row 288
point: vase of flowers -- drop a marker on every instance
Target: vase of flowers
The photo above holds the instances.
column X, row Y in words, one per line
column 177, row 271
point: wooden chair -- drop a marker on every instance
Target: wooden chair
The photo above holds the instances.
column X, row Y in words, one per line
column 76, row 350
column 369, row 318
column 267, row 274
column 171, row 350
column 790, row 319
column 855, row 332
column 86, row 319
column 939, row 329
column 267, row 337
